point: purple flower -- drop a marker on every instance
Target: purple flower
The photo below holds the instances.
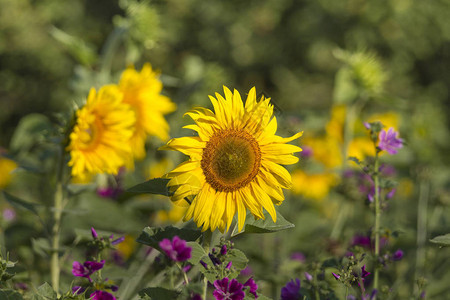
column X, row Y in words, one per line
column 117, row 241
column 364, row 273
column 363, row 241
column 9, row 214
column 398, row 255
column 223, row 250
column 252, row 286
column 86, row 269
column 101, row 295
column 291, row 291
column 308, row 276
column 176, row 250
column 214, row 259
column 186, row 268
column 229, row 265
column 336, row 276
column 228, row 290
column 94, row 233
column 307, row 152
column 298, row 256
column 367, row 125
column 196, row 297
column 247, row 271
column 205, row 265
column 391, row 194
column 76, row 290
column 389, row 141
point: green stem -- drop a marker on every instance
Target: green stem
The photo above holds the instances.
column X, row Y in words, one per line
column 377, row 220
column 422, row 208
column 316, row 287
column 57, row 214
column 186, row 279
column 207, row 239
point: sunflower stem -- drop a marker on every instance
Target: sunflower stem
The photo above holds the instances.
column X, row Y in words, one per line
column 377, row 221
column 57, row 214
column 206, row 243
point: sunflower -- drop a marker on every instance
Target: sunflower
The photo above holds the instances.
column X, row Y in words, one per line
column 99, row 141
column 142, row 91
column 234, row 162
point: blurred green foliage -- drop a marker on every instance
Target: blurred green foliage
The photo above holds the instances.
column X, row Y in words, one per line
column 296, row 52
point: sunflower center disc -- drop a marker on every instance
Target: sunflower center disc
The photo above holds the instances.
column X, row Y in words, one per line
column 231, row 159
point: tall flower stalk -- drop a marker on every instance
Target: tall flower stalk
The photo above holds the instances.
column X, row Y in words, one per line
column 57, row 214
column 377, row 216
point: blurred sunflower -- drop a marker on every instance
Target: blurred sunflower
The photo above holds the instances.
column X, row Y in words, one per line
column 234, row 162
column 99, row 141
column 142, row 91
column 6, row 167
column 313, row 186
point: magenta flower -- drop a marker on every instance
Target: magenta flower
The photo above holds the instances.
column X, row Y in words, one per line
column 308, row 276
column 291, row 291
column 398, row 255
column 253, row 287
column 228, row 290
column 176, row 250
column 337, row 276
column 102, row 295
column 94, row 233
column 389, row 141
column 298, row 256
column 86, row 269
column 364, row 273
column 76, row 290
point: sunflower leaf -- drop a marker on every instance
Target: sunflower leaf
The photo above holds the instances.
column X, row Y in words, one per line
column 265, row 225
column 442, row 240
column 151, row 236
column 155, row 186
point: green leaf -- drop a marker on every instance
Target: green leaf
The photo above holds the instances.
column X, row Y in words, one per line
column 41, row 246
column 158, row 293
column 30, row 130
column 263, row 225
column 355, row 159
column 16, row 202
column 10, row 295
column 236, row 256
column 151, row 236
column 156, row 186
column 197, row 253
column 44, row 292
column 442, row 240
column 82, row 52
column 262, row 297
column 345, row 90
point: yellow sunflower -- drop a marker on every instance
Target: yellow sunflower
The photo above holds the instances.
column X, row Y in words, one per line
column 234, row 162
column 99, row 142
column 6, row 168
column 142, row 91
